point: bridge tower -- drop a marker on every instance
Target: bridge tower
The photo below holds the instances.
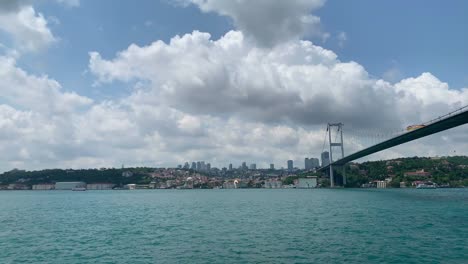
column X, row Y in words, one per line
column 339, row 127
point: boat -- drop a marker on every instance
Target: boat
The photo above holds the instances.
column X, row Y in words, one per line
column 79, row 189
column 426, row 186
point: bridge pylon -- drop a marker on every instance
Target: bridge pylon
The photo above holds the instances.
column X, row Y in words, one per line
column 339, row 127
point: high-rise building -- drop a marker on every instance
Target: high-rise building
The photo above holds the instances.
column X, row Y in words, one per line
column 272, row 166
column 253, row 166
column 230, row 166
column 203, row 165
column 290, row 165
column 325, row 158
column 244, row 166
column 194, row 166
column 186, row 166
column 198, row 165
column 315, row 163
column 208, row 166
column 306, row 164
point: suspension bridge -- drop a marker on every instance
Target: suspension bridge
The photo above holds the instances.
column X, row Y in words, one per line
column 453, row 119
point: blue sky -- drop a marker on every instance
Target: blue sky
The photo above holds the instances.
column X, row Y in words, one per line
column 86, row 84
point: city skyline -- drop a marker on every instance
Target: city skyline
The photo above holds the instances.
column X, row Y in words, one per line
column 90, row 84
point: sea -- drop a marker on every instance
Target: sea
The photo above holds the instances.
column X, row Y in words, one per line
column 235, row 226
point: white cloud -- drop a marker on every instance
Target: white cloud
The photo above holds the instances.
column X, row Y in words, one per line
column 224, row 100
column 37, row 93
column 264, row 103
column 28, row 28
column 269, row 22
column 342, row 37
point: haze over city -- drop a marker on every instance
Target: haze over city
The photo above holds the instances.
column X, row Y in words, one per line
column 90, row 84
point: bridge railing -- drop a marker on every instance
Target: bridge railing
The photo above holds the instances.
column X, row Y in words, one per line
column 459, row 110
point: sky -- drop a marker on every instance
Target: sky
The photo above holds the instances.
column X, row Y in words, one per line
column 88, row 84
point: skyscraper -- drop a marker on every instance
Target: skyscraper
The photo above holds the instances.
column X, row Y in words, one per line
column 325, row 158
column 194, row 166
column 253, row 166
column 314, row 162
column 307, row 164
column 272, row 166
column 290, row 165
column 230, row 166
column 198, row 165
column 244, row 166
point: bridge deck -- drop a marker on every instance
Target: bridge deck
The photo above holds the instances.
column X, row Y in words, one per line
column 441, row 125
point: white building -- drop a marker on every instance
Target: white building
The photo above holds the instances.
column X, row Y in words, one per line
column 130, row 186
column 306, row 183
column 273, row 184
column 381, row 184
column 69, row 185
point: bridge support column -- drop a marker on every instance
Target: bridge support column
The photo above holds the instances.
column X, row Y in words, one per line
column 332, row 182
column 334, row 144
column 344, row 175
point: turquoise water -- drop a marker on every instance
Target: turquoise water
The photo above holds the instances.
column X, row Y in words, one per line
column 235, row 226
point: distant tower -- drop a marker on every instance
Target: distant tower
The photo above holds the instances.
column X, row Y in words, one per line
column 253, row 166
column 325, row 158
column 272, row 166
column 230, row 166
column 194, row 166
column 307, row 164
column 290, row 165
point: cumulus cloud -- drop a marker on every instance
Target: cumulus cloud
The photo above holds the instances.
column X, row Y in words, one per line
column 284, row 94
column 269, row 22
column 297, row 83
column 220, row 100
column 28, row 28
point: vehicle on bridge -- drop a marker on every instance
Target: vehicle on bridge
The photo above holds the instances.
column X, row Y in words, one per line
column 414, row 127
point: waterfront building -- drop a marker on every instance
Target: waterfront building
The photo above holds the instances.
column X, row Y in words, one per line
column 43, row 186
column 290, row 165
column 18, row 186
column 272, row 166
column 69, row 185
column 325, row 158
column 381, row 184
column 273, row 184
column 100, row 186
column 306, row 183
column 130, row 186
